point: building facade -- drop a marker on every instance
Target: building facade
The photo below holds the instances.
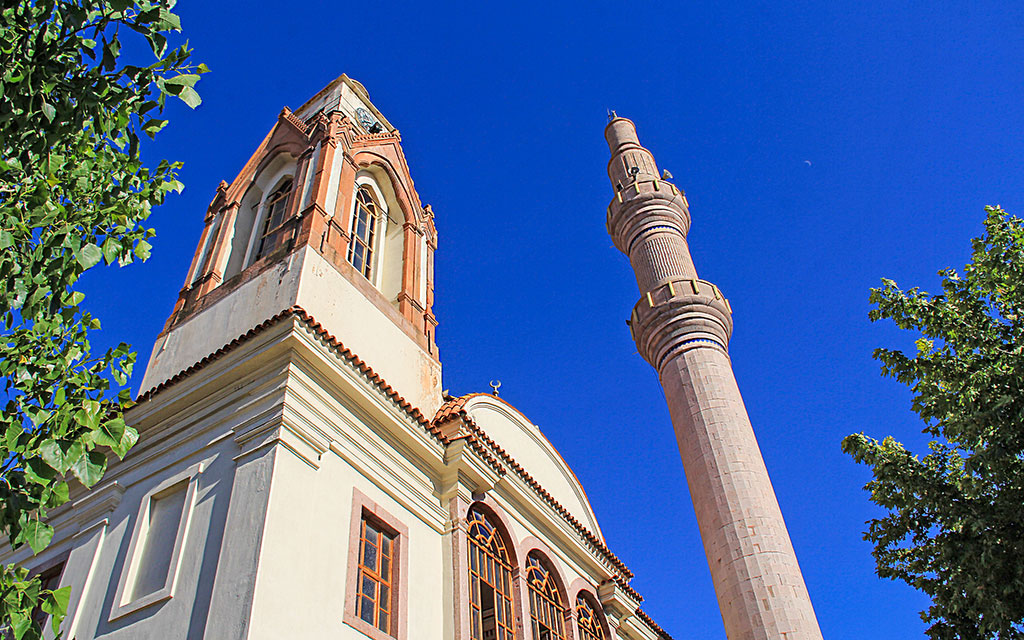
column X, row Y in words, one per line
column 300, row 473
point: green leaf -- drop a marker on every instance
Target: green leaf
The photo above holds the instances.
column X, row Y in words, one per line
column 184, row 80
column 189, row 96
column 90, row 468
column 111, row 249
column 89, row 256
column 48, row 111
column 6, row 239
column 21, row 622
column 142, row 250
column 110, row 433
column 153, row 126
column 35, row 534
column 61, row 457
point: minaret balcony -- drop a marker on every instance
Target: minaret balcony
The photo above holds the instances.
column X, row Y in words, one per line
column 679, row 315
column 643, row 202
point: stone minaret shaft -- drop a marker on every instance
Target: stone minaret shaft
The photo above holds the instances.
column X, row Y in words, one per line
column 682, row 326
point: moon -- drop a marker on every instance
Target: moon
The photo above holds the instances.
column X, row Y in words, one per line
column 808, row 162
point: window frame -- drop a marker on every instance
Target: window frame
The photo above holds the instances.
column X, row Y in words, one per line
column 498, row 533
column 277, row 195
column 586, row 598
column 365, row 509
column 548, row 595
column 123, row 602
column 375, row 248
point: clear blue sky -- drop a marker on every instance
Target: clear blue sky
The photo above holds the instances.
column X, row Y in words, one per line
column 909, row 113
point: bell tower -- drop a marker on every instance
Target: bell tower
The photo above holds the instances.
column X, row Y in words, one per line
column 682, row 326
column 323, row 219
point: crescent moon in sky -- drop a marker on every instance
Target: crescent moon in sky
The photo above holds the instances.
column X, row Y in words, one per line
column 808, row 162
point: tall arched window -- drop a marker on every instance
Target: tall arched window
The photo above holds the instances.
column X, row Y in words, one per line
column 365, row 220
column 547, row 613
column 587, row 622
column 275, row 208
column 490, row 581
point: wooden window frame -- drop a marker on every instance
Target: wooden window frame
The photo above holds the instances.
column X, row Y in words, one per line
column 595, row 629
column 546, row 606
column 280, row 196
column 366, row 510
column 489, row 562
column 374, row 228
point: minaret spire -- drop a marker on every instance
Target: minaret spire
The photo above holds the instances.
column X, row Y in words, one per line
column 682, row 327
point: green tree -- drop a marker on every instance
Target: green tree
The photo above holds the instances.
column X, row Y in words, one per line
column 955, row 522
column 74, row 193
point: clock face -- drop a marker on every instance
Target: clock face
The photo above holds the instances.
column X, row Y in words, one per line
column 366, row 119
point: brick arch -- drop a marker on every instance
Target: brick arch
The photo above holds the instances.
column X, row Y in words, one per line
column 580, row 587
column 290, row 147
column 536, row 546
column 504, row 527
column 406, row 202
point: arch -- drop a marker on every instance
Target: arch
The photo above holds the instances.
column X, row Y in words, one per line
column 504, row 526
column 535, row 545
column 550, row 615
column 585, row 630
column 492, row 580
column 369, row 160
column 523, row 440
column 271, row 172
column 387, row 269
column 275, row 207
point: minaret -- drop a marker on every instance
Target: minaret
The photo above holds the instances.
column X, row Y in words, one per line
column 682, row 326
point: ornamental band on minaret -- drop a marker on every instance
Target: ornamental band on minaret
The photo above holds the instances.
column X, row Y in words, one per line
column 682, row 326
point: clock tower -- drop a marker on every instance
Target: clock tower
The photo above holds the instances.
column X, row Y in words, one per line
column 323, row 220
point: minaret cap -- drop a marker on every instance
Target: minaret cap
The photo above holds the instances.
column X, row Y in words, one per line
column 621, row 134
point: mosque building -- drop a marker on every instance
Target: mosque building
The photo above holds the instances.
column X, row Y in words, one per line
column 300, row 472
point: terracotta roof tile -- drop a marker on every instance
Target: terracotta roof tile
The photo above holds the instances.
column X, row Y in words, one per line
column 455, row 409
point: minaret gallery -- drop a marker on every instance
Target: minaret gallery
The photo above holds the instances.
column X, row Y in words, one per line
column 681, row 326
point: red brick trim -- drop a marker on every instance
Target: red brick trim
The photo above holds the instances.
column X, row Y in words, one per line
column 363, row 506
column 581, row 587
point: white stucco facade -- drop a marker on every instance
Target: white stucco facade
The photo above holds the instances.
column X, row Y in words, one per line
column 292, row 405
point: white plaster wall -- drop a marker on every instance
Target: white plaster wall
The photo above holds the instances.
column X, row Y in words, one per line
column 184, row 614
column 256, row 300
column 303, row 574
column 362, row 327
column 524, row 442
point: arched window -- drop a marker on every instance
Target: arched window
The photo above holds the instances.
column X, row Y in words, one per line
column 547, row 613
column 490, row 581
column 365, row 220
column 587, row 622
column 275, row 208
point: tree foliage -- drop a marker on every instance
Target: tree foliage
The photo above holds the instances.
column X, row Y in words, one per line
column 955, row 522
column 74, row 193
